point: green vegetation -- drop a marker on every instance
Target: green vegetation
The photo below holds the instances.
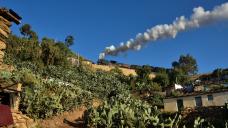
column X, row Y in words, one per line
column 122, row 113
column 187, row 64
column 56, row 89
column 52, row 85
column 125, row 112
column 41, row 53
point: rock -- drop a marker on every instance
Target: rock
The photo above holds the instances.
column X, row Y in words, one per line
column 6, row 22
column 20, row 121
column 31, row 124
column 2, row 45
column 25, row 117
column 5, row 28
column 6, row 67
column 1, row 61
column 22, row 125
column 2, row 53
column 1, row 56
column 2, row 38
column 3, row 33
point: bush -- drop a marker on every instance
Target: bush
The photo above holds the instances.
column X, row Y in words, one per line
column 162, row 79
column 5, row 75
column 28, row 78
column 65, row 88
column 122, row 113
column 155, row 100
column 176, row 93
column 52, row 97
column 155, row 87
column 152, row 86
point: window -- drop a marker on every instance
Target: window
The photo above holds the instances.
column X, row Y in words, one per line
column 198, row 101
column 210, row 97
column 180, row 104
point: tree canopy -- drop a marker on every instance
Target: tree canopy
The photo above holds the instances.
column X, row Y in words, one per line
column 48, row 51
column 187, row 64
column 69, row 40
column 26, row 30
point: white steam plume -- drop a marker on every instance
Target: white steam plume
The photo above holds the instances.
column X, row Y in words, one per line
column 198, row 18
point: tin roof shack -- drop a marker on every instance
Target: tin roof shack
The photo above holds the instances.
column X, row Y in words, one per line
column 196, row 99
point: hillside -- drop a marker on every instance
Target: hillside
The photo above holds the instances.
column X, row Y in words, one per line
column 56, row 89
column 126, row 71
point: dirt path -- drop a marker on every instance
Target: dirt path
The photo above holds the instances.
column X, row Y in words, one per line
column 70, row 119
column 65, row 120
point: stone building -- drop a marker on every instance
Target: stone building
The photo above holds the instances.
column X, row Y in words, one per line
column 196, row 99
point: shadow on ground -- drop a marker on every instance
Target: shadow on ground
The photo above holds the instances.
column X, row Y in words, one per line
column 78, row 123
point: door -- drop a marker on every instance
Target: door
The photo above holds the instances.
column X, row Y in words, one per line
column 198, row 101
column 5, row 98
column 180, row 104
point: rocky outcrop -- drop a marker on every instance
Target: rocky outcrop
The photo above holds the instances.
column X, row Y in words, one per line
column 2, row 45
column 6, row 17
column 22, row 121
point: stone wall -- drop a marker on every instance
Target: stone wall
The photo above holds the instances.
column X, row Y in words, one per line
column 22, row 121
column 7, row 16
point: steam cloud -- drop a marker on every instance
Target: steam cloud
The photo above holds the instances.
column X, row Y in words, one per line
column 198, row 18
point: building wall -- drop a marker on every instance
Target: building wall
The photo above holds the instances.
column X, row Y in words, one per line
column 219, row 99
column 170, row 105
column 189, row 102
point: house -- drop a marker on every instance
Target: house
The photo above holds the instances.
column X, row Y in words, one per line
column 87, row 62
column 170, row 89
column 9, row 95
column 196, row 99
column 225, row 77
column 198, row 88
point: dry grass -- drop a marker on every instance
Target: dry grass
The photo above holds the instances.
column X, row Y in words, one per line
column 125, row 71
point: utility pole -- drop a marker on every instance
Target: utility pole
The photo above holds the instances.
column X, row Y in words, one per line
column 78, row 64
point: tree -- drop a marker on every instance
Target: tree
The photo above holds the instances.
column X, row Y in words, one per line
column 26, row 30
column 177, row 76
column 33, row 35
column 162, row 79
column 143, row 73
column 187, row 64
column 217, row 73
column 69, row 41
column 49, row 51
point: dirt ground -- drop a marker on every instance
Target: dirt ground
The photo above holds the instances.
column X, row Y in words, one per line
column 66, row 120
column 125, row 71
column 72, row 119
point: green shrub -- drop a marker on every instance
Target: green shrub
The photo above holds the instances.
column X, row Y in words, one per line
column 51, row 98
column 5, row 75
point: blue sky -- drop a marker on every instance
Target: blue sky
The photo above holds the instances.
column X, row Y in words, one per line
column 96, row 24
